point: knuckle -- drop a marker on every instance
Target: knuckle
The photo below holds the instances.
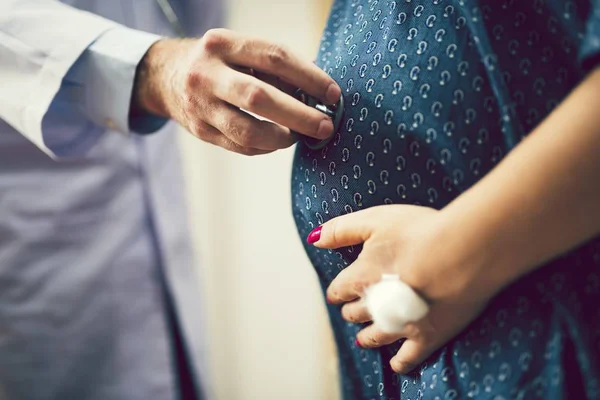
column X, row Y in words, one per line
column 193, row 80
column 246, row 137
column 229, row 130
column 254, row 96
column 349, row 314
column 375, row 339
column 277, row 55
column 214, row 40
column 358, row 286
column 189, row 109
column 332, row 294
column 411, row 330
column 190, row 101
column 198, row 129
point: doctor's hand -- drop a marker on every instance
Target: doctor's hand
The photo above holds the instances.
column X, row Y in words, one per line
column 418, row 245
column 204, row 84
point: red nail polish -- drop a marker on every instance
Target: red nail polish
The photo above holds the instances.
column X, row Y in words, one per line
column 314, row 235
column 357, row 343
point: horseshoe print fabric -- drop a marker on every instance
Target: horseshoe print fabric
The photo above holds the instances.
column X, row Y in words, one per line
column 437, row 92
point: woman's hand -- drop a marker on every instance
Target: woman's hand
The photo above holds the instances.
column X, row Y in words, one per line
column 417, row 244
column 204, row 84
column 525, row 212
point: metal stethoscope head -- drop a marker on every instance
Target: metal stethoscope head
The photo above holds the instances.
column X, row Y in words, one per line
column 335, row 112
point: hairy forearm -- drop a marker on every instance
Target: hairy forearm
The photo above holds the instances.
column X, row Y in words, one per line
column 542, row 200
column 154, row 77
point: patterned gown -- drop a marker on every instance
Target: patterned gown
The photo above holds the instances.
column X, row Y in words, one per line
column 437, row 92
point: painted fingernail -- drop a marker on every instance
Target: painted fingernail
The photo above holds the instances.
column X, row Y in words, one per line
column 333, row 93
column 357, row 343
column 314, row 235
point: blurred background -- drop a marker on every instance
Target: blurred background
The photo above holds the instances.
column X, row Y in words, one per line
column 270, row 338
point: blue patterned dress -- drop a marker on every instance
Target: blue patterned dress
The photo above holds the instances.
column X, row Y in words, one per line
column 437, row 92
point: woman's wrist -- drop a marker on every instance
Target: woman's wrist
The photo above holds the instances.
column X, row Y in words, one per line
column 477, row 250
column 466, row 249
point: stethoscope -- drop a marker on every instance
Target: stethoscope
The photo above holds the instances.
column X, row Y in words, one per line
column 335, row 112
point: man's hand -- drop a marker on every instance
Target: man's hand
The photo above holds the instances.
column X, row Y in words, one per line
column 204, row 83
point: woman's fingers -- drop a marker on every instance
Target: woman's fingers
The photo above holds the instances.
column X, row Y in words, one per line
column 351, row 283
column 421, row 340
column 345, row 287
column 372, row 337
column 356, row 312
column 412, row 353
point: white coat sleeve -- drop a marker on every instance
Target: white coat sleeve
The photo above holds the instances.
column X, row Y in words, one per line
column 66, row 75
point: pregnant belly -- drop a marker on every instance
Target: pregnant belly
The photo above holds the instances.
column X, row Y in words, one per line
column 419, row 126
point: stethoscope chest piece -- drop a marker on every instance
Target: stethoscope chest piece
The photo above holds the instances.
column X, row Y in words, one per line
column 334, row 112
